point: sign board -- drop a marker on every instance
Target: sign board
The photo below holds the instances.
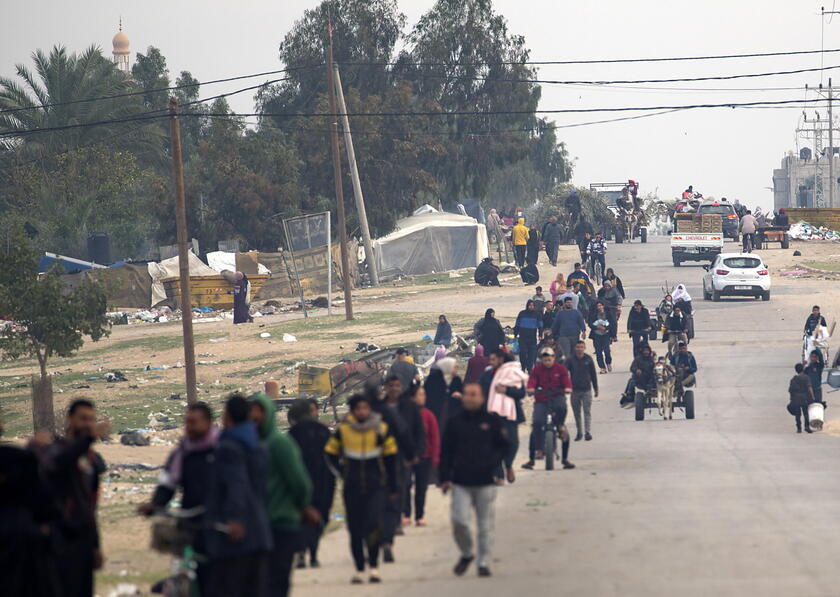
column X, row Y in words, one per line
column 308, row 238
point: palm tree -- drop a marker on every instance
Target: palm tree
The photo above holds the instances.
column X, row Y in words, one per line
column 54, row 94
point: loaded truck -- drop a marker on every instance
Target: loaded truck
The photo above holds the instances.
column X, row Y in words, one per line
column 696, row 237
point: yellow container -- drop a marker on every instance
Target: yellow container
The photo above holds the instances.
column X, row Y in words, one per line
column 314, row 381
column 210, row 291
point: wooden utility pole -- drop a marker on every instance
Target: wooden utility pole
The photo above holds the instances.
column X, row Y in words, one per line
column 831, row 181
column 183, row 255
column 357, row 183
column 339, row 188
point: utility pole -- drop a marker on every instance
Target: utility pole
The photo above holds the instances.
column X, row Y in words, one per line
column 339, row 188
column 831, row 181
column 183, row 255
column 357, row 185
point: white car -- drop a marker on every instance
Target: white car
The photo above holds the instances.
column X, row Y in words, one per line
column 736, row 274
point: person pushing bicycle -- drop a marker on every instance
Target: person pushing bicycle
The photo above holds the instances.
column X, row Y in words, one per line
column 550, row 384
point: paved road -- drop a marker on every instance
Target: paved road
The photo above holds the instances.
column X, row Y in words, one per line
column 731, row 503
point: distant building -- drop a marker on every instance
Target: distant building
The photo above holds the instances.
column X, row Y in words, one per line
column 803, row 181
column 122, row 51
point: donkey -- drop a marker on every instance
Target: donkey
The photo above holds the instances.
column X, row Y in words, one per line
column 665, row 381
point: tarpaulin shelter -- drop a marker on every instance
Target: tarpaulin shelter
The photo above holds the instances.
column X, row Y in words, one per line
column 69, row 264
column 127, row 286
column 432, row 242
column 223, row 260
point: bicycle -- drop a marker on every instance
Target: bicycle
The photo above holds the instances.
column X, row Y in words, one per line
column 748, row 243
column 594, row 269
column 551, row 429
column 173, row 533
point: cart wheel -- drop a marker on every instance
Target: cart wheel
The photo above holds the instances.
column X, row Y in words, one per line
column 688, row 401
column 786, row 242
column 641, row 398
column 644, row 235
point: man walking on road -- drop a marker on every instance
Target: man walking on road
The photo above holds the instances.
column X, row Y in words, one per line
column 473, row 443
column 404, row 369
column 568, row 326
column 584, row 383
column 528, row 330
column 551, row 238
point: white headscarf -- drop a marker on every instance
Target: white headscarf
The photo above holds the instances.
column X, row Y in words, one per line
column 447, row 367
column 680, row 293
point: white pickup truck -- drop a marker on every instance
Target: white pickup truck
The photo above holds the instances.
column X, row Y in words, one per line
column 696, row 237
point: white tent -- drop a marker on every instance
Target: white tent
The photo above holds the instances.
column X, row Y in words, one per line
column 432, row 242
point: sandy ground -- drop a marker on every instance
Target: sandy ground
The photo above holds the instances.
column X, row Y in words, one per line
column 387, row 315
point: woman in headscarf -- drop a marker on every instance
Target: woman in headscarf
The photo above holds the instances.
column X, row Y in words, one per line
column 444, row 390
column 616, row 281
column 611, row 298
column 533, row 245
column 476, row 365
column 682, row 298
column 311, row 436
column 241, row 299
column 557, row 287
column 491, row 334
column 443, row 334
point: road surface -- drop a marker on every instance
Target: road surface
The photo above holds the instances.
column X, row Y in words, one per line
column 730, row 504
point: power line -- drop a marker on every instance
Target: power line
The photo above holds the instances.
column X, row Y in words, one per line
column 160, row 89
column 600, row 61
column 624, row 82
column 148, row 116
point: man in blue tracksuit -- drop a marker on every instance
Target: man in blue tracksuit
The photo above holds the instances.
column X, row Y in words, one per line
column 529, row 330
column 685, row 365
column 567, row 327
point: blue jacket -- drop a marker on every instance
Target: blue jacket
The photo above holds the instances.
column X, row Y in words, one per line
column 528, row 323
column 238, row 492
column 568, row 323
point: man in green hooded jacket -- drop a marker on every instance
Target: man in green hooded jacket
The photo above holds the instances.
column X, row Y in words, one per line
column 289, row 493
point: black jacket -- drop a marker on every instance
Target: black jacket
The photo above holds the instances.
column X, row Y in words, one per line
column 813, row 322
column 676, row 323
column 406, row 425
column 646, row 367
column 800, row 390
column 551, row 233
column 583, row 373
column 619, row 286
column 195, row 481
column 492, row 335
column 311, row 437
column 238, row 492
column 439, row 398
column 638, row 321
column 473, row 445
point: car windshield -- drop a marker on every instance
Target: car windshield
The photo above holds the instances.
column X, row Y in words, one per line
column 721, row 210
column 742, row 262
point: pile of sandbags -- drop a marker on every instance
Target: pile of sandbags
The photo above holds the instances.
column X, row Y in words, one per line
column 804, row 231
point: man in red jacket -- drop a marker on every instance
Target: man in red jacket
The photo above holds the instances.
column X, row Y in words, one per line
column 550, row 384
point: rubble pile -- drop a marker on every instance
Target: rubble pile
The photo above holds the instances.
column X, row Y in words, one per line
column 805, row 231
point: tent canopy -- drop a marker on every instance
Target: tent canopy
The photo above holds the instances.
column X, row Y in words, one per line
column 168, row 268
column 223, row 260
column 432, row 242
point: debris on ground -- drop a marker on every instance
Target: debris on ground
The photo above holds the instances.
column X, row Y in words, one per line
column 265, row 335
column 124, row 590
column 289, row 338
column 805, row 231
column 115, row 377
column 365, row 347
column 134, row 438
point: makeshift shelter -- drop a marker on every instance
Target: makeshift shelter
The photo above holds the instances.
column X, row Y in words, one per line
column 70, row 265
column 222, row 260
column 432, row 242
column 127, row 286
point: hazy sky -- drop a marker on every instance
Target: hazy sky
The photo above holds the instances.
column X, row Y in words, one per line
column 721, row 151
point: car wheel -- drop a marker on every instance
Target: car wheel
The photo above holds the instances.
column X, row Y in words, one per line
column 676, row 262
column 766, row 296
column 716, row 295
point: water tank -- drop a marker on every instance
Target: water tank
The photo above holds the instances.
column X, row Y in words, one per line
column 99, row 248
column 805, row 154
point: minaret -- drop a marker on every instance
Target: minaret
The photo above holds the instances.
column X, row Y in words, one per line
column 122, row 53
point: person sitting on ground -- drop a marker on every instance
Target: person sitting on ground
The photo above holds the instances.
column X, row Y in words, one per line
column 443, row 334
column 685, row 365
column 801, row 395
column 815, row 320
column 487, row 273
column 641, row 370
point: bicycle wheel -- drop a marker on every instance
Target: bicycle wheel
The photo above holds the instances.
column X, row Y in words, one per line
column 550, row 448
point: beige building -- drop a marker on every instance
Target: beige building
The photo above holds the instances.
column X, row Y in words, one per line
column 794, row 182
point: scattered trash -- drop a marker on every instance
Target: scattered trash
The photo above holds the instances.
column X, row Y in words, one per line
column 134, row 438
column 175, row 396
column 805, row 231
column 217, row 340
column 81, row 387
column 265, row 335
column 365, row 347
column 797, row 254
column 136, row 466
column 320, row 302
column 124, row 589
column 115, row 376
column 288, row 338
column 202, row 310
